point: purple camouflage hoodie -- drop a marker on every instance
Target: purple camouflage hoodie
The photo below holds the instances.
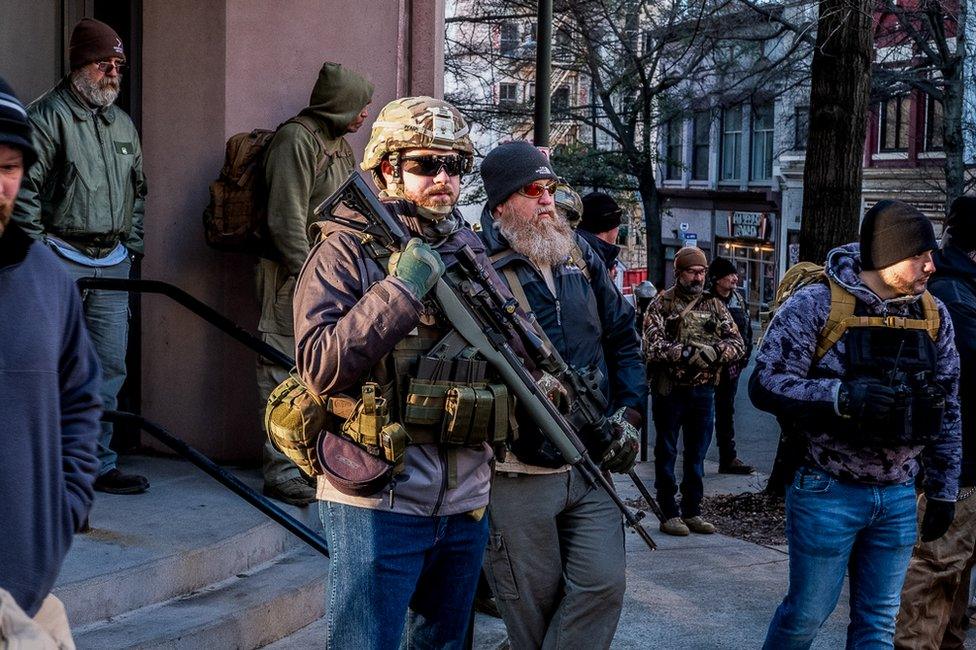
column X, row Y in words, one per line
column 787, row 382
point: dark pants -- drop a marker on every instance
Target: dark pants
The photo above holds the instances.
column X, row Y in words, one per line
column 724, row 417
column 690, row 410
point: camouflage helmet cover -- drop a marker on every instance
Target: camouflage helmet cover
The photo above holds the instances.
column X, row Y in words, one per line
column 416, row 122
column 568, row 202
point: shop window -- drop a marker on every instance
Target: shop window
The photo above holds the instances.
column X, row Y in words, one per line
column 731, row 142
column 893, row 126
column 673, row 150
column 761, row 167
column 699, row 150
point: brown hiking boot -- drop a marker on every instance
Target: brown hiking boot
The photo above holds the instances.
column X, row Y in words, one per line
column 294, row 491
column 674, row 526
column 698, row 525
column 736, row 466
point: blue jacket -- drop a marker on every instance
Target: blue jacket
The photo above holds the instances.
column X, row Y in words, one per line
column 49, row 417
column 588, row 322
column 788, row 382
column 954, row 283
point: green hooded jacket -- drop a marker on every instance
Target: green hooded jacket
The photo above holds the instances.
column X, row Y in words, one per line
column 87, row 187
column 294, row 188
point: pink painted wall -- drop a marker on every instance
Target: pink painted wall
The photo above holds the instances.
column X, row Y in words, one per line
column 212, row 69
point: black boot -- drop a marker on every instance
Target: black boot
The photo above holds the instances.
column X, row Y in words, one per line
column 115, row 482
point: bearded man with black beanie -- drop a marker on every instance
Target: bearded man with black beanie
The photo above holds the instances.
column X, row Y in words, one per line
column 936, row 592
column 863, row 371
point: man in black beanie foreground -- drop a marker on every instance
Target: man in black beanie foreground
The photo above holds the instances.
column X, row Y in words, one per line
column 936, row 591
column 556, row 560
column 862, row 371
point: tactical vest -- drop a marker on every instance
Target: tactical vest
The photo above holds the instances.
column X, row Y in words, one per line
column 900, row 352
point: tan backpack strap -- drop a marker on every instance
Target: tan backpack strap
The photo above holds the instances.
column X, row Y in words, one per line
column 576, row 257
column 842, row 305
column 515, row 286
column 930, row 310
column 689, row 307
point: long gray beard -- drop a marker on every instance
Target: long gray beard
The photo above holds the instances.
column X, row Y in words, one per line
column 544, row 248
column 97, row 96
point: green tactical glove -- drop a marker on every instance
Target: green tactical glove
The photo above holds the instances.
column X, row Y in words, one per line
column 418, row 266
column 620, row 456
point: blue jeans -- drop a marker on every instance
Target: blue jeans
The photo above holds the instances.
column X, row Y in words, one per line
column 399, row 580
column 107, row 318
column 690, row 410
column 833, row 526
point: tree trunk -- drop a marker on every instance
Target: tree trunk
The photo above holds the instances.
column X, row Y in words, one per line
column 651, row 203
column 840, row 84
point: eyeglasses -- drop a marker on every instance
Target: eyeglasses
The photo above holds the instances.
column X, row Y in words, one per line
column 431, row 165
column 105, row 66
column 535, row 190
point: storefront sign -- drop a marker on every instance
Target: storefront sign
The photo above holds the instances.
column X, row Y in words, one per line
column 747, row 225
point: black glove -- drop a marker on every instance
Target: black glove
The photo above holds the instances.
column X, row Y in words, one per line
column 866, row 399
column 937, row 519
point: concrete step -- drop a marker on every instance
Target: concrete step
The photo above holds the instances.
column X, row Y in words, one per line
column 249, row 610
column 187, row 532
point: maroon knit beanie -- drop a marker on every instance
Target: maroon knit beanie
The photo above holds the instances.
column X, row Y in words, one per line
column 93, row 40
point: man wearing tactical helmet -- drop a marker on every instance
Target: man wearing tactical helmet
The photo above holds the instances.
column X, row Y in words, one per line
column 405, row 560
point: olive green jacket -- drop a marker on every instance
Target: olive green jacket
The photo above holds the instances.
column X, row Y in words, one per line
column 87, row 187
column 298, row 179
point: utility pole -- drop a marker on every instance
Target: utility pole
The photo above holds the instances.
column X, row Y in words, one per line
column 543, row 74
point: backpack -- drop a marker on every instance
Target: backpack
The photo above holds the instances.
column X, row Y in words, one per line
column 236, row 219
column 842, row 305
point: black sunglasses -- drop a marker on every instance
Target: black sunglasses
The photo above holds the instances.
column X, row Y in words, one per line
column 431, row 164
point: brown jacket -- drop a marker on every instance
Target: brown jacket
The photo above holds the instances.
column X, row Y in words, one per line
column 349, row 316
column 667, row 335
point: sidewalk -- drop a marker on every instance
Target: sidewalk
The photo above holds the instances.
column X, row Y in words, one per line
column 698, row 592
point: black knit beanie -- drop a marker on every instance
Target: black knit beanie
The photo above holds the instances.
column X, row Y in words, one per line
column 14, row 127
column 961, row 224
column 600, row 213
column 511, row 166
column 721, row 267
column 92, row 40
column 893, row 231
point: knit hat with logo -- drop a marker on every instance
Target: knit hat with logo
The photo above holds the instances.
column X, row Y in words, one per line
column 14, row 128
column 511, row 166
column 93, row 40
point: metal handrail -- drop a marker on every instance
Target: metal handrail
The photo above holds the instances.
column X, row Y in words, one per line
column 199, row 308
column 223, row 477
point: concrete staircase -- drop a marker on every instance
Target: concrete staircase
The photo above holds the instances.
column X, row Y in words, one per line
column 189, row 565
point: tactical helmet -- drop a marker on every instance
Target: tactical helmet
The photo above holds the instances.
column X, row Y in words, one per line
column 415, row 123
column 568, row 203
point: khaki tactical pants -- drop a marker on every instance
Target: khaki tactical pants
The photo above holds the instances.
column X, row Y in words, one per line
column 936, row 591
column 277, row 329
column 48, row 630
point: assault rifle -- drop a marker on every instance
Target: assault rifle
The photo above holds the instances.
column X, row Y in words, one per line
column 488, row 322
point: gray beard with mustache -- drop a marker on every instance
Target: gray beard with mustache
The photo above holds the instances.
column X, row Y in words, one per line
column 6, row 210
column 97, row 93
column 545, row 244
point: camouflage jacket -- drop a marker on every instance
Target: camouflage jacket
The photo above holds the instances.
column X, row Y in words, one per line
column 666, row 334
column 803, row 393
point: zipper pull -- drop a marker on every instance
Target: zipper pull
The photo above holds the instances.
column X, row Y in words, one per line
column 559, row 312
column 392, row 495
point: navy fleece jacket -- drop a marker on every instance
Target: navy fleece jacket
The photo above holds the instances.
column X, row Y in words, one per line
column 49, row 414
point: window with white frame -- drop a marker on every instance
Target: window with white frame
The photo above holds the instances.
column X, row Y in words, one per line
column 507, row 94
column 893, row 125
column 731, row 142
column 801, row 127
column 934, row 119
column 699, row 146
column 508, row 40
column 761, row 160
column 674, row 146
